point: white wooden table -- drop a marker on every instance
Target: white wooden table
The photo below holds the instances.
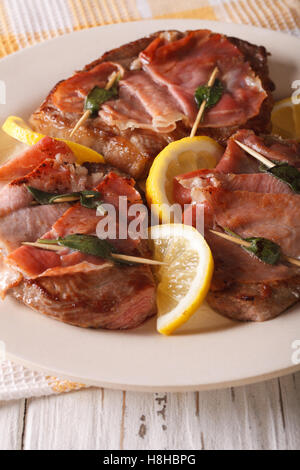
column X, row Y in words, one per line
column 261, row 416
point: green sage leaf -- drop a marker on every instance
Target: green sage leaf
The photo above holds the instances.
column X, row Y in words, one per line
column 286, row 173
column 89, row 199
column 87, row 244
column 210, row 94
column 97, row 96
column 264, row 249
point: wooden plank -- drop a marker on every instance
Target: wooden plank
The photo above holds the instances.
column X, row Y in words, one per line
column 261, row 416
column 11, row 424
column 86, row 419
column 146, row 421
column 191, row 421
column 290, row 397
column 258, row 417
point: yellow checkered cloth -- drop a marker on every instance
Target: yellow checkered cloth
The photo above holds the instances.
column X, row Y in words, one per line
column 27, row 22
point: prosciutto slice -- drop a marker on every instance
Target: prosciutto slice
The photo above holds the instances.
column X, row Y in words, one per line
column 157, row 92
column 273, row 216
column 24, row 163
column 187, row 63
column 236, row 160
column 189, row 188
column 70, row 94
column 34, row 262
column 143, row 103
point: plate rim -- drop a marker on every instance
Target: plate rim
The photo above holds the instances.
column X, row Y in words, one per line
column 87, row 383
column 136, row 387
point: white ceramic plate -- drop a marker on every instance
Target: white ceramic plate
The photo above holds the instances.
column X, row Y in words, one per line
column 210, row 351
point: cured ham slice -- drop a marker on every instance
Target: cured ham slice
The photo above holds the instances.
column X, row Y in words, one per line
column 19, row 220
column 186, row 63
column 156, row 96
column 243, row 287
column 189, row 188
column 172, row 71
column 23, row 164
column 46, row 165
column 235, row 160
column 143, row 104
column 28, row 224
column 54, row 176
column 249, row 214
column 51, row 176
column 273, row 216
column 69, row 95
column 33, row 262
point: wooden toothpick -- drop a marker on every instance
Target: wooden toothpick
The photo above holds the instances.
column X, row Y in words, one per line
column 130, row 259
column 294, row 261
column 211, row 81
column 81, row 121
column 136, row 259
column 111, row 80
column 231, row 238
column 246, row 244
column 44, row 246
column 63, row 199
column 255, row 154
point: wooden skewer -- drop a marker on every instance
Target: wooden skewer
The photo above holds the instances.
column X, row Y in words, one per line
column 294, row 261
column 130, row 259
column 137, row 259
column 63, row 199
column 45, row 246
column 238, row 241
column 70, row 198
column 255, row 154
column 111, row 80
column 211, row 81
column 81, row 121
column 231, row 238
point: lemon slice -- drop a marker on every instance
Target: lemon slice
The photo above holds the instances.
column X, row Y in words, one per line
column 184, row 280
column 179, row 157
column 286, row 119
column 19, row 130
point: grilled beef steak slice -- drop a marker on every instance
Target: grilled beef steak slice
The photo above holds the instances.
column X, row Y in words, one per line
column 114, row 297
column 156, row 103
column 255, row 301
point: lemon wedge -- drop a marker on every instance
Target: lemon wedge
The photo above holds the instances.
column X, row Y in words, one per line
column 184, row 279
column 181, row 156
column 286, row 119
column 19, row 130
